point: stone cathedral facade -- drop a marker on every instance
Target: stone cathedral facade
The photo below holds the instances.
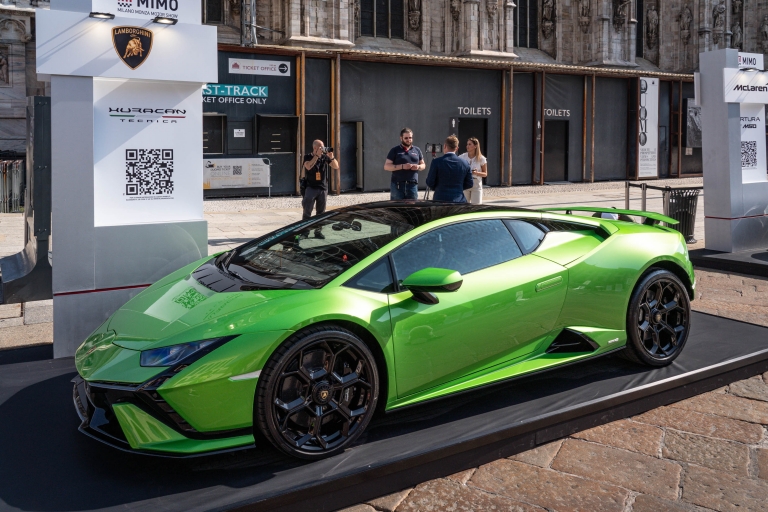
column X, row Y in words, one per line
column 655, row 34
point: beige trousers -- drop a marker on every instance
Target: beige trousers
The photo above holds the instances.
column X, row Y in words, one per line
column 474, row 195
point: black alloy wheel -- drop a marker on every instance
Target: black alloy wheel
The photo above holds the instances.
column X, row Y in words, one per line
column 317, row 392
column 658, row 319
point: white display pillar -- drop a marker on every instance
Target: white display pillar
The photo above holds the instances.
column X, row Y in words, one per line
column 733, row 146
column 127, row 155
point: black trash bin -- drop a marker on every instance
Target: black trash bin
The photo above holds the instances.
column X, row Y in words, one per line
column 681, row 205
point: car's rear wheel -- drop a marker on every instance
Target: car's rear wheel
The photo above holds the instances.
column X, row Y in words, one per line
column 317, row 392
column 658, row 319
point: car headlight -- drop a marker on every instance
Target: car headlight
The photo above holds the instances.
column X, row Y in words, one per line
column 169, row 356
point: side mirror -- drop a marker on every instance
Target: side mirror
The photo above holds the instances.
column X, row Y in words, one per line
column 424, row 283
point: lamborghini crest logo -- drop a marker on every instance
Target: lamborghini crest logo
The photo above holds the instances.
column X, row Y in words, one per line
column 324, row 395
column 132, row 44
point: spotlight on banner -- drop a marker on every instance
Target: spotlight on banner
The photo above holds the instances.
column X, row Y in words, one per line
column 165, row 21
column 102, row 15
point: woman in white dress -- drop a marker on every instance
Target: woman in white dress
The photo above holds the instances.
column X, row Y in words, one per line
column 479, row 165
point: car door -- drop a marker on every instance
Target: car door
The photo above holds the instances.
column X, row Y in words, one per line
column 506, row 304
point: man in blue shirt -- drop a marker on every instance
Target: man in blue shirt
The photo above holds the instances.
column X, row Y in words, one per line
column 449, row 176
column 404, row 162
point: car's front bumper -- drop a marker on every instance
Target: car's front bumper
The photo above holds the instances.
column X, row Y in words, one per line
column 136, row 418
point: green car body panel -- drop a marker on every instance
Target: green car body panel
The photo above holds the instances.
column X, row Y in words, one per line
column 580, row 280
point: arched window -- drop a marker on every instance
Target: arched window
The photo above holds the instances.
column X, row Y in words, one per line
column 382, row 18
column 526, row 24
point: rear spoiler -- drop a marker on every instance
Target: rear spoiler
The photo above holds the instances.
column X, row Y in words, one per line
column 651, row 218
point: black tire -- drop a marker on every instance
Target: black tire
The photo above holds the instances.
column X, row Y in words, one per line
column 658, row 319
column 324, row 372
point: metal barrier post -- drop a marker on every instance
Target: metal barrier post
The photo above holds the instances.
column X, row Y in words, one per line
column 665, row 200
column 643, row 200
column 626, row 195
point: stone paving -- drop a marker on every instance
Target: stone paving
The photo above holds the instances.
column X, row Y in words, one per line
column 709, row 452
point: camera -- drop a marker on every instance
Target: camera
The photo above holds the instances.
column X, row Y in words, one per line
column 327, row 150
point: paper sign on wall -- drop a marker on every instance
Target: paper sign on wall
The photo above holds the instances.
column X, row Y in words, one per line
column 648, row 140
column 147, row 148
column 236, row 173
column 753, row 157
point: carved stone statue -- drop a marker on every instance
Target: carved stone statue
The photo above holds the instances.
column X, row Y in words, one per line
column 652, row 29
column 585, row 17
column 4, row 68
column 736, row 6
column 414, row 14
column 492, row 8
column 686, row 17
column 619, row 13
column 456, row 15
column 718, row 21
column 736, row 38
column 764, row 33
column 547, row 9
column 547, row 18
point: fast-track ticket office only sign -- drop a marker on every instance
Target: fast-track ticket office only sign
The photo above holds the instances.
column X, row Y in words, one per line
column 147, row 103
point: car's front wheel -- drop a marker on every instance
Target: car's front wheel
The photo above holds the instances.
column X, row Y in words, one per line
column 658, row 319
column 317, row 392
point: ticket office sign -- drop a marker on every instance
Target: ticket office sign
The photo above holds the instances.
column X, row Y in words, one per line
column 221, row 173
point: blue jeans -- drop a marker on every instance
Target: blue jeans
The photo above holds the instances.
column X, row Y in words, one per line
column 403, row 190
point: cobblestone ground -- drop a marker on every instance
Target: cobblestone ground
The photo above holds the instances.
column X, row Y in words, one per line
column 709, row 452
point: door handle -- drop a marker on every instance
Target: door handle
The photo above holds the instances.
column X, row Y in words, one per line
column 549, row 283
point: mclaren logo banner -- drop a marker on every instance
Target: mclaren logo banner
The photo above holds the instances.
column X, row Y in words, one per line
column 132, row 44
column 745, row 86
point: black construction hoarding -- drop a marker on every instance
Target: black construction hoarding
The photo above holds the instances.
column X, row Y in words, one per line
column 388, row 97
column 254, row 99
column 251, row 115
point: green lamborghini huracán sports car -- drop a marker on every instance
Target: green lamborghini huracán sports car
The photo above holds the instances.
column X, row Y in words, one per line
column 306, row 332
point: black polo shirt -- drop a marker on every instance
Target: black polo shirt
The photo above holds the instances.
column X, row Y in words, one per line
column 399, row 155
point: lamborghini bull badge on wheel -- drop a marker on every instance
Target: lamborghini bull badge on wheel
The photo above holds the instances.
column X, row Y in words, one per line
column 307, row 332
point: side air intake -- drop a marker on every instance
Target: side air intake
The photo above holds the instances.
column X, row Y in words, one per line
column 569, row 341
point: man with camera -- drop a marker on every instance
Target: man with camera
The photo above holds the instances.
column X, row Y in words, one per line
column 404, row 162
column 316, row 170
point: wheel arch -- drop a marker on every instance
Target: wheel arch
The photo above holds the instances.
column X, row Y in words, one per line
column 676, row 269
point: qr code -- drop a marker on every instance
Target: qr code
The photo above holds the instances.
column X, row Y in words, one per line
column 748, row 154
column 148, row 172
column 237, row 170
column 189, row 298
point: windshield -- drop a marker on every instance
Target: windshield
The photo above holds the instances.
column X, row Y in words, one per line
column 316, row 251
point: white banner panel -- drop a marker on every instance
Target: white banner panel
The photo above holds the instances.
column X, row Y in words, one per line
column 259, row 67
column 185, row 11
column 236, row 172
column 751, row 60
column 148, row 152
column 745, row 86
column 71, row 43
column 648, row 143
column 753, row 158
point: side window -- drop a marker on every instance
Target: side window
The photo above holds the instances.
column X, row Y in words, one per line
column 466, row 247
column 528, row 235
column 376, row 278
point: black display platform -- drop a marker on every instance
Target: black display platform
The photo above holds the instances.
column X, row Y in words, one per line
column 753, row 262
column 47, row 465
